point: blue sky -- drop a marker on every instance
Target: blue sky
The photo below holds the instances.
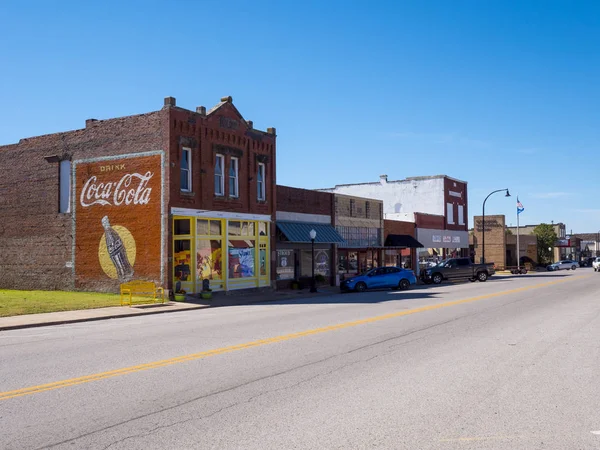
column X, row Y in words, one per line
column 497, row 93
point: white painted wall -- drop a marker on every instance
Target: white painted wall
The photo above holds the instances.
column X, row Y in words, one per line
column 404, row 196
column 402, row 217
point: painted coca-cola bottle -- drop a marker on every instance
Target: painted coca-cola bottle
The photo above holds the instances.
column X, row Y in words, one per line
column 117, row 252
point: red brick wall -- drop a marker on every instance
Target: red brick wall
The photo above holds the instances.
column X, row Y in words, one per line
column 225, row 132
column 398, row 227
column 35, row 239
column 457, row 188
column 305, row 201
column 430, row 221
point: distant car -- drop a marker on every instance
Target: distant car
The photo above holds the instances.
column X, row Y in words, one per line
column 596, row 264
column 587, row 262
column 382, row 277
column 567, row 264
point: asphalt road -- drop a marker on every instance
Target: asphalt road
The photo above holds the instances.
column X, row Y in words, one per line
column 513, row 363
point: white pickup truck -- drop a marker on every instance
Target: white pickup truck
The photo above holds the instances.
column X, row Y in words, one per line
column 596, row 264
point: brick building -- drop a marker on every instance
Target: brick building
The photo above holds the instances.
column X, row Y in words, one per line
column 359, row 221
column 438, row 205
column 298, row 212
column 173, row 196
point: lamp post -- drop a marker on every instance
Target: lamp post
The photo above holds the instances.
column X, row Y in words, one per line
column 551, row 255
column 313, row 236
column 597, row 243
column 483, row 223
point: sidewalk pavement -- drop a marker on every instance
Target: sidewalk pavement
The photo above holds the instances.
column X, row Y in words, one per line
column 116, row 312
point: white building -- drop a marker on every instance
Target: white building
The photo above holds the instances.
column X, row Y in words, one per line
column 436, row 204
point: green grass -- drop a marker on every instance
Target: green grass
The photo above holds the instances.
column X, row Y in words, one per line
column 14, row 303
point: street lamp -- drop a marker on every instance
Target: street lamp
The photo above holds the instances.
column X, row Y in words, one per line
column 597, row 243
column 483, row 223
column 551, row 255
column 313, row 236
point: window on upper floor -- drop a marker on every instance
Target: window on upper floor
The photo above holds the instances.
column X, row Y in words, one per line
column 461, row 215
column 65, row 187
column 186, row 170
column 450, row 213
column 261, row 193
column 233, row 177
column 219, row 175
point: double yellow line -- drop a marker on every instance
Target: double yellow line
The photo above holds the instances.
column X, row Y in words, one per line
column 233, row 348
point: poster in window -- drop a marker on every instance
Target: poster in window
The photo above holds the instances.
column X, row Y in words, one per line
column 241, row 262
column 285, row 264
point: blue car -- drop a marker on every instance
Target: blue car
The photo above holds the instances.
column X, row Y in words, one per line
column 380, row 278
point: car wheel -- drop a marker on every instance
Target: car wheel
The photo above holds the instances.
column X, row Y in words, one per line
column 524, row 271
column 482, row 276
column 361, row 287
column 403, row 285
column 574, row 267
column 437, row 278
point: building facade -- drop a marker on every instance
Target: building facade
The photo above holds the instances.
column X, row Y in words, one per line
column 359, row 221
column 439, row 200
column 173, row 196
column 299, row 211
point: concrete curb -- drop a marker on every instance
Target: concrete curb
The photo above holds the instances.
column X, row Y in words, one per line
column 93, row 319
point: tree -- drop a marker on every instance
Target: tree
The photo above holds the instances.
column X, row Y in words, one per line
column 509, row 232
column 546, row 238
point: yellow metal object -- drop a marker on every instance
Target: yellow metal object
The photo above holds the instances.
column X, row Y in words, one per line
column 141, row 288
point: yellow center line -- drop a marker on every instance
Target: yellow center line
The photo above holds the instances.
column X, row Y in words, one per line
column 286, row 337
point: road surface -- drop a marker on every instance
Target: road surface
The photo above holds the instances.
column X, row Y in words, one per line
column 511, row 363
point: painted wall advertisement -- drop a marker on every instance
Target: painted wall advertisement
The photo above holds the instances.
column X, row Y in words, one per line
column 118, row 205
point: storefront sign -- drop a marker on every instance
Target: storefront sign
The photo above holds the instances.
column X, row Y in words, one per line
column 563, row 243
column 455, row 194
column 442, row 238
column 118, row 206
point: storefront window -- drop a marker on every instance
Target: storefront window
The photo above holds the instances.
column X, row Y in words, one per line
column 342, row 261
column 182, row 260
column 248, row 229
column 352, row 262
column 285, row 264
column 263, row 229
column 235, row 228
column 202, row 227
column 241, row 258
column 182, row 227
column 322, row 263
column 209, row 259
column 215, row 227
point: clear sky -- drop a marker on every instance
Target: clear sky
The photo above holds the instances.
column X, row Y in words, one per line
column 502, row 94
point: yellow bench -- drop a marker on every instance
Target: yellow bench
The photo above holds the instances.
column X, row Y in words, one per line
column 141, row 289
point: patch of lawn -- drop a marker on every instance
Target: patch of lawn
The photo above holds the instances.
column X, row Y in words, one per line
column 14, row 303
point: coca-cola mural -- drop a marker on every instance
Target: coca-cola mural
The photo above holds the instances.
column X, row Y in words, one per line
column 118, row 211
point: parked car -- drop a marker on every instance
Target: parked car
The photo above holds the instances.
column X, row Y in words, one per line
column 587, row 262
column 567, row 264
column 596, row 264
column 390, row 277
column 457, row 268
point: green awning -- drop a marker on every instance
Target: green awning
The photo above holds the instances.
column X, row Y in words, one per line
column 300, row 232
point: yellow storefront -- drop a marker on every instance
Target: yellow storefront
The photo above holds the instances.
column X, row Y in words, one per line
column 229, row 250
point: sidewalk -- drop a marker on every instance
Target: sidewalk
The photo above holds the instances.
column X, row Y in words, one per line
column 192, row 303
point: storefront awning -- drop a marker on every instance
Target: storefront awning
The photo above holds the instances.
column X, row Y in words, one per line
column 300, row 232
column 402, row 240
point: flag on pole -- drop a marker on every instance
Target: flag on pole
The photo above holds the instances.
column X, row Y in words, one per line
column 520, row 208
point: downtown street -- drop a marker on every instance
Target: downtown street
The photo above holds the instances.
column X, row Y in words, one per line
column 510, row 363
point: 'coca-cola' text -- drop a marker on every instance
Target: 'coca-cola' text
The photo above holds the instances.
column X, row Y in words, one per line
column 131, row 189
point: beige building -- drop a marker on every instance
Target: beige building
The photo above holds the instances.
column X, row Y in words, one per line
column 501, row 242
column 359, row 221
